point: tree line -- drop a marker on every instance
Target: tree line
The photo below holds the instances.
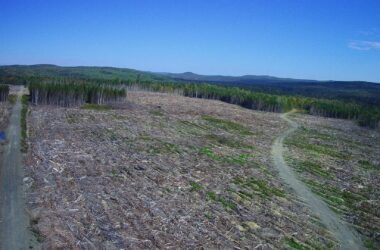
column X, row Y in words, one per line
column 365, row 115
column 74, row 94
column 4, row 92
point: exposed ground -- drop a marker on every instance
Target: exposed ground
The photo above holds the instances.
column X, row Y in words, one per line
column 341, row 162
column 162, row 171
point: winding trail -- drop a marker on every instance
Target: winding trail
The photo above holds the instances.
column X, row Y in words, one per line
column 347, row 238
column 14, row 220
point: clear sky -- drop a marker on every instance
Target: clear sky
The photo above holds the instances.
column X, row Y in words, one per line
column 321, row 39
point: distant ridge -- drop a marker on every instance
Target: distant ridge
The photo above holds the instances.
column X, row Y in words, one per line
column 190, row 76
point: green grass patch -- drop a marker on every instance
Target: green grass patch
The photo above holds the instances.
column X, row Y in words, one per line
column 98, row 107
column 316, row 148
column 195, row 186
column 208, row 216
column 225, row 141
column 211, row 195
column 294, row 244
column 209, row 153
column 312, row 167
column 192, row 125
column 156, row 113
column 315, row 133
column 251, row 186
column 229, row 205
column 240, row 159
column 369, row 165
column 335, row 197
column 112, row 135
column 162, row 147
column 12, row 99
column 192, row 128
column 371, row 244
column 245, row 194
column 158, row 146
column 71, row 118
column 227, row 125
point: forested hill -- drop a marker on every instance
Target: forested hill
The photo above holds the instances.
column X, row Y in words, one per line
column 20, row 72
column 351, row 91
column 357, row 91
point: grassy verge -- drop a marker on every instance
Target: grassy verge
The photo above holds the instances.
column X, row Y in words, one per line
column 24, row 112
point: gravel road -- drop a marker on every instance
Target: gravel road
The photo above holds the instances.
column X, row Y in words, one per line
column 14, row 220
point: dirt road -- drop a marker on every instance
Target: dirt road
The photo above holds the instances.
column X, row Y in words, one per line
column 346, row 236
column 14, row 221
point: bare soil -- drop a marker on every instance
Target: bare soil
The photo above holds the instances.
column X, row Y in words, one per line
column 162, row 171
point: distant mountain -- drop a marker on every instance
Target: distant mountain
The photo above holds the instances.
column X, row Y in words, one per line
column 190, row 76
column 357, row 91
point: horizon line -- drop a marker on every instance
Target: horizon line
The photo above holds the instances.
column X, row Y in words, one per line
column 165, row 72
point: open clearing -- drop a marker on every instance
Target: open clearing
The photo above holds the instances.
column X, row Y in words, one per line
column 163, row 171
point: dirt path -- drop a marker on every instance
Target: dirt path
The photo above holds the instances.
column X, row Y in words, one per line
column 346, row 237
column 14, row 221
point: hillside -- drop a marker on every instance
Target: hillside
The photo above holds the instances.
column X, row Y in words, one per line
column 366, row 93
column 164, row 170
column 161, row 171
column 359, row 91
column 105, row 73
column 154, row 170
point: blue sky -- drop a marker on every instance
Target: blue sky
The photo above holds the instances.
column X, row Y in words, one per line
column 338, row 40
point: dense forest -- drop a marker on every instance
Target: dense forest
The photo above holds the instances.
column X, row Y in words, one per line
column 75, row 86
column 364, row 115
column 74, row 94
column 353, row 91
column 4, row 92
